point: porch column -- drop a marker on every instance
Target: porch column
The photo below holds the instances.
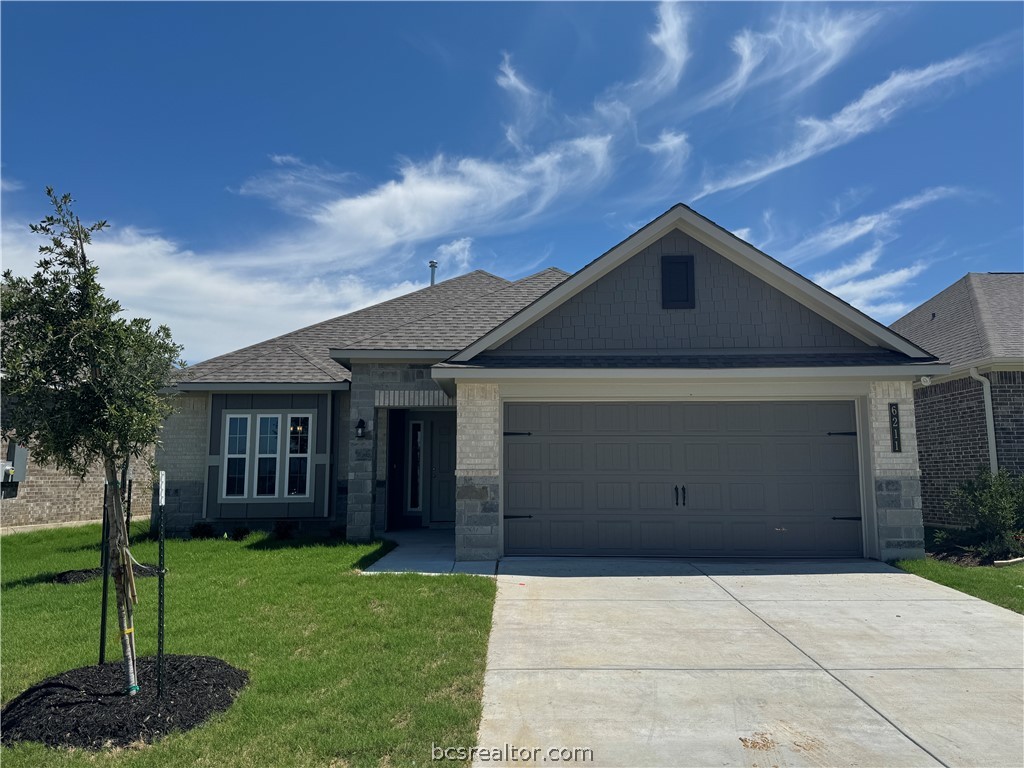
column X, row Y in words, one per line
column 361, row 465
column 478, row 472
column 896, row 475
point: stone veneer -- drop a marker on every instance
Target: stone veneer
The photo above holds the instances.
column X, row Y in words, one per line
column 374, row 383
column 478, row 473
column 896, row 479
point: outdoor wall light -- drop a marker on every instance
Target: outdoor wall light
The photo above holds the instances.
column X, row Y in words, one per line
column 361, row 429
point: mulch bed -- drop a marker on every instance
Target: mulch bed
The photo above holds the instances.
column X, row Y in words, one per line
column 87, row 708
column 88, row 574
column 967, row 559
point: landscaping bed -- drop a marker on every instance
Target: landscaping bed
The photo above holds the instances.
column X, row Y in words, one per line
column 87, row 574
column 87, row 707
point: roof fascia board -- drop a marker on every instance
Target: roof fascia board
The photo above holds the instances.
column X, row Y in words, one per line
column 985, row 365
column 729, row 246
column 198, row 386
column 848, row 373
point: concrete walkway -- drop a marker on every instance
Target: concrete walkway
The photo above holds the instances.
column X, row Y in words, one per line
column 669, row 663
column 427, row 551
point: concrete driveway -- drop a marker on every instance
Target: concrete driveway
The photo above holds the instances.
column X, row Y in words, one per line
column 671, row 663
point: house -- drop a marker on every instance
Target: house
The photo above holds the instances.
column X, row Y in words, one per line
column 684, row 394
column 972, row 418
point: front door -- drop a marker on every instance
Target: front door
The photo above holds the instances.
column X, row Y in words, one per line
column 430, row 477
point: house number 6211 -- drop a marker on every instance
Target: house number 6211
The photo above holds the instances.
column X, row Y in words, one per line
column 894, row 427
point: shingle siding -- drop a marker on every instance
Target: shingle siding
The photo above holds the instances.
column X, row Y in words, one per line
column 954, row 440
column 733, row 310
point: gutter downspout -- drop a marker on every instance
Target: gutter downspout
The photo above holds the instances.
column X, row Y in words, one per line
column 990, row 424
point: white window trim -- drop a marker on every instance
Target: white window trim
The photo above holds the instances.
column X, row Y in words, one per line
column 276, row 455
column 288, row 457
column 244, row 456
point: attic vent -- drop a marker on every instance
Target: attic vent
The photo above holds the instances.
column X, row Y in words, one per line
column 677, row 288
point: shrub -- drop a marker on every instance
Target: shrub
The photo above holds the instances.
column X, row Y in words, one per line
column 201, row 531
column 991, row 504
column 239, row 533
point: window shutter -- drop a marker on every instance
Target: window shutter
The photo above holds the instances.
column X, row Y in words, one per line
column 677, row 289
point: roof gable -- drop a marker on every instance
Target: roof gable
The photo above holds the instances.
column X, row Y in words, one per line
column 723, row 243
column 978, row 318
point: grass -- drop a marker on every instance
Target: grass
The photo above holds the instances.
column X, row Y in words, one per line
column 345, row 670
column 1002, row 586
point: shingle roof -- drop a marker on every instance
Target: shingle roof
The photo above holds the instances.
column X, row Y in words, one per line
column 728, row 361
column 456, row 326
column 979, row 317
column 303, row 356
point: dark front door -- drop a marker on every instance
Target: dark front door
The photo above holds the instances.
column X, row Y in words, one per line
column 430, row 475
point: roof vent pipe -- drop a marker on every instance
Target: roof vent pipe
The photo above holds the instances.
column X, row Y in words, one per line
column 990, row 426
column 433, row 270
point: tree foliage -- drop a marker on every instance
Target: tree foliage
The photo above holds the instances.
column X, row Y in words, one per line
column 81, row 383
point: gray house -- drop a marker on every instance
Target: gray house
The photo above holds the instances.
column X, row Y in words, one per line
column 973, row 417
column 684, row 394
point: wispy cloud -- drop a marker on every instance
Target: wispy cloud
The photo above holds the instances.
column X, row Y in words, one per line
column 882, row 225
column 672, row 149
column 800, row 47
column 876, row 295
column 8, row 184
column 874, row 109
column 455, row 258
column 155, row 277
column 294, row 185
column 530, row 104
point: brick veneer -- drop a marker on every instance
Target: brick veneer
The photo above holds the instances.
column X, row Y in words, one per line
column 477, row 473
column 953, row 437
column 50, row 497
column 182, row 455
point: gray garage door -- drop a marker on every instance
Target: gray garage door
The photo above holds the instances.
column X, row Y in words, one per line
column 762, row 479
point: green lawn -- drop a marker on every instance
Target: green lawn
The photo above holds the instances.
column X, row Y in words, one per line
column 345, row 670
column 1002, row 586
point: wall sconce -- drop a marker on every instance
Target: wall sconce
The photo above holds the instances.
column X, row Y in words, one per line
column 361, row 429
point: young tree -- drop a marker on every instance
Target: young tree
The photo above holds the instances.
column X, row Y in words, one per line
column 82, row 384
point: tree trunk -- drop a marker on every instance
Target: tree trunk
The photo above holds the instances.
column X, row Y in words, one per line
column 118, row 545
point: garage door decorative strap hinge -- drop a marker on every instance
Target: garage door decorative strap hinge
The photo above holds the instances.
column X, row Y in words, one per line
column 848, row 518
column 518, row 517
column 513, row 434
column 852, row 434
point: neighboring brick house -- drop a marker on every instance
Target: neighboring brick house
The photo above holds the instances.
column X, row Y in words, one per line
column 977, row 326
column 48, row 498
column 684, row 394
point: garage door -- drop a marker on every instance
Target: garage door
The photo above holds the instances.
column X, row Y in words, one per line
column 750, row 479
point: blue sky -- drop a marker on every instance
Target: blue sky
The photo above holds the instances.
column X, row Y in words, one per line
column 265, row 166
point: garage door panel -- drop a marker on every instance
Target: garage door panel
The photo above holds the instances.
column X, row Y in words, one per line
column 753, row 479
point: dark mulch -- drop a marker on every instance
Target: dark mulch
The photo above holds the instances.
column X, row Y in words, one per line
column 965, row 558
column 87, row 574
column 87, row 707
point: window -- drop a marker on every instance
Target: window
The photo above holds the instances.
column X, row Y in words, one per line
column 237, row 455
column 267, row 456
column 677, row 288
column 298, row 455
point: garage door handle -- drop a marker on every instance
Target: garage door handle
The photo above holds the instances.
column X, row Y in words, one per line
column 518, row 517
column 518, row 434
column 850, row 434
column 677, row 495
column 848, row 518
column 684, row 495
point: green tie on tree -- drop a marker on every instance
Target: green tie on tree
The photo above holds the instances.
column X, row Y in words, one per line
column 83, row 385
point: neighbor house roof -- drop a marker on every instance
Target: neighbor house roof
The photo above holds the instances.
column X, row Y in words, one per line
column 452, row 313
column 979, row 319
